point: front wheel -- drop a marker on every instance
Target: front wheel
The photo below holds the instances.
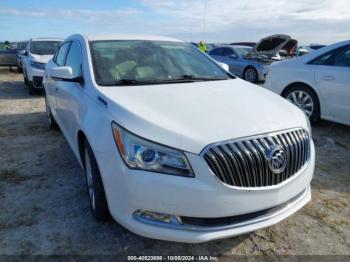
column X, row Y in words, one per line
column 306, row 99
column 251, row 75
column 50, row 119
column 31, row 88
column 25, row 79
column 98, row 202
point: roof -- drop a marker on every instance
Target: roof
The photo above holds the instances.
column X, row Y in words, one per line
column 46, row 39
column 232, row 46
column 130, row 37
column 241, row 46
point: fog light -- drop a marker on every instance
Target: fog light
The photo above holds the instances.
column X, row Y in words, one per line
column 157, row 217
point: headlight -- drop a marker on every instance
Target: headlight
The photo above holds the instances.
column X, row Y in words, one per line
column 37, row 65
column 139, row 153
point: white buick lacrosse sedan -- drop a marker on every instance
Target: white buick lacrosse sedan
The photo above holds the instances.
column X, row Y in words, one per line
column 173, row 146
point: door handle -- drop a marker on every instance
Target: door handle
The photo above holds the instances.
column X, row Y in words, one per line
column 328, row 78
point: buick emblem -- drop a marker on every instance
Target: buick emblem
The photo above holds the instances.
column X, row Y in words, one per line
column 277, row 159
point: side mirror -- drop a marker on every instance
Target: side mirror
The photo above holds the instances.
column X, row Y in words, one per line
column 234, row 56
column 25, row 52
column 224, row 66
column 64, row 73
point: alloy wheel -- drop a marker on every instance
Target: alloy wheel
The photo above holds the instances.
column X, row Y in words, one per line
column 250, row 75
column 302, row 100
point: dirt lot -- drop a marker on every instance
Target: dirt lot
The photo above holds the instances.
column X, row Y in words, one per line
column 44, row 207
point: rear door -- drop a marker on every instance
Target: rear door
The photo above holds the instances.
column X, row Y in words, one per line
column 332, row 75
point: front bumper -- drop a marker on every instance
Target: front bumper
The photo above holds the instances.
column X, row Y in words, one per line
column 262, row 72
column 201, row 197
column 36, row 76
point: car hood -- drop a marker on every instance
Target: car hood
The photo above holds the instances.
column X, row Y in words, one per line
column 270, row 45
column 41, row 58
column 189, row 116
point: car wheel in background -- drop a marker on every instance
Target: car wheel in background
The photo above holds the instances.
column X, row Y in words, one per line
column 50, row 119
column 251, row 75
column 306, row 99
column 25, row 79
column 97, row 197
column 31, row 88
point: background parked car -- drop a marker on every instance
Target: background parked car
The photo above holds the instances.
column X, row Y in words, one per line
column 251, row 63
column 302, row 50
column 7, row 56
column 318, row 82
column 21, row 48
column 38, row 52
column 235, row 57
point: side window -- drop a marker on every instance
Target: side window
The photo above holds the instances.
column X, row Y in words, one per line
column 343, row 58
column 337, row 57
column 61, row 54
column 321, row 60
column 74, row 59
column 213, row 52
column 217, row 51
column 228, row 52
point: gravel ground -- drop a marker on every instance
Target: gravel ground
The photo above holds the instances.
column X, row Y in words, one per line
column 44, row 207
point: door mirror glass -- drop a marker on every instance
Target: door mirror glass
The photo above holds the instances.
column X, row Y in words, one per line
column 62, row 72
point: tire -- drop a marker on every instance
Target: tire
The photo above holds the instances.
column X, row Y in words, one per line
column 31, row 89
column 306, row 99
column 95, row 189
column 50, row 119
column 250, row 74
column 25, row 79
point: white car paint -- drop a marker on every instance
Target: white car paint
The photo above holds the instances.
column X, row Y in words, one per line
column 185, row 116
column 330, row 83
column 29, row 71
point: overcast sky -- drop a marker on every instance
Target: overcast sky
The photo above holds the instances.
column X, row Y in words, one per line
column 309, row 21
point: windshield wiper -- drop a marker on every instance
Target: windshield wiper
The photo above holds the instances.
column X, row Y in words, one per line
column 120, row 82
column 124, row 82
column 184, row 78
column 202, row 78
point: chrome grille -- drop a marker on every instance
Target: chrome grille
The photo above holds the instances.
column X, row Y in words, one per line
column 245, row 162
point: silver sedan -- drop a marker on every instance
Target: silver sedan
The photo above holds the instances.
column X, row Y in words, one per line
column 235, row 57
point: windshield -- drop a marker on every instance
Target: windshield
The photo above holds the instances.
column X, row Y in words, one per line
column 44, row 47
column 243, row 51
column 143, row 62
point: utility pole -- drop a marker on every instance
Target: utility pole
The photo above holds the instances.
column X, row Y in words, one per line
column 205, row 19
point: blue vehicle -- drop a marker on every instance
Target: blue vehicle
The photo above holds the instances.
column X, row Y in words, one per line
column 251, row 63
